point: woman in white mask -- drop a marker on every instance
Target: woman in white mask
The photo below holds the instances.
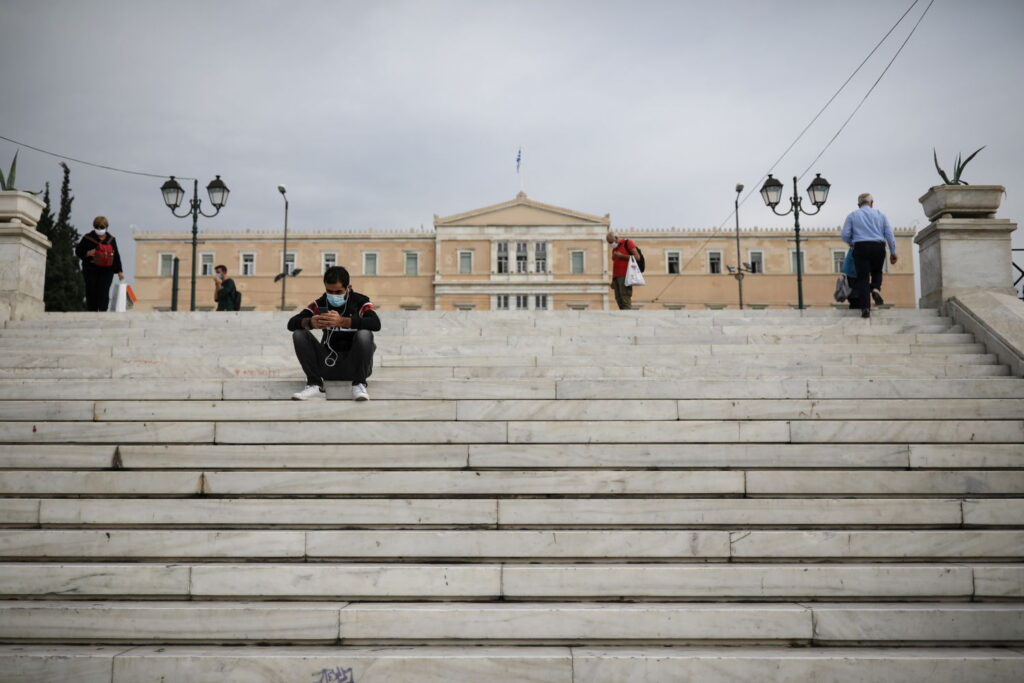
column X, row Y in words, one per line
column 101, row 259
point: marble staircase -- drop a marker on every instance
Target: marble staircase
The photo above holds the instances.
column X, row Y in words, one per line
column 576, row 496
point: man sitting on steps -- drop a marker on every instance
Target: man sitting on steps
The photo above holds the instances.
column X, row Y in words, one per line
column 345, row 351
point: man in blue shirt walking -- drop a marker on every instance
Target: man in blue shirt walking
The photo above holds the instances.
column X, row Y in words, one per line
column 867, row 230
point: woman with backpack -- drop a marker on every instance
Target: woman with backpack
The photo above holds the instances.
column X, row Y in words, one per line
column 101, row 259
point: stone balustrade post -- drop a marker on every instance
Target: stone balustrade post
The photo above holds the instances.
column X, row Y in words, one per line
column 22, row 256
column 965, row 248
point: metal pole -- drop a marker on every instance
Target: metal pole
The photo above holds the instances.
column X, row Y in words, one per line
column 195, row 238
column 739, row 258
column 799, row 259
column 174, row 283
column 284, row 254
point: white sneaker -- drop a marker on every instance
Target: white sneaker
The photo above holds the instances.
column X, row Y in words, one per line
column 311, row 391
column 359, row 393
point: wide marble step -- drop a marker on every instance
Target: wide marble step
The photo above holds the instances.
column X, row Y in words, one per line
column 526, row 432
column 552, row 545
column 511, row 456
column 364, row 581
column 259, row 389
column 576, row 482
column 517, row 410
column 537, row 623
column 508, row 664
column 516, row 512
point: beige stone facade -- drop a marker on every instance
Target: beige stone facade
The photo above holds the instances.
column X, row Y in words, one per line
column 520, row 254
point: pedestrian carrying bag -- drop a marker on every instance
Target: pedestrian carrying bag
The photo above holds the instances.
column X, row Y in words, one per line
column 633, row 274
column 843, row 289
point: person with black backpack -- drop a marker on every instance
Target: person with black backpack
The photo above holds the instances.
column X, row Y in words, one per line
column 622, row 250
column 225, row 293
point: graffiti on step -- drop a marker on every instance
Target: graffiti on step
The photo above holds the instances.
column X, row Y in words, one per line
column 335, row 675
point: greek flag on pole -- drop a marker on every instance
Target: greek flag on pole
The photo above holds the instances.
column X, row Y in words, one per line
column 519, row 157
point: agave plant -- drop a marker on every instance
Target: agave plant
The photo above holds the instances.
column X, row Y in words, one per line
column 7, row 184
column 958, row 168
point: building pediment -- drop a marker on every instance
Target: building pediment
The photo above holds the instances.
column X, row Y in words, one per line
column 520, row 211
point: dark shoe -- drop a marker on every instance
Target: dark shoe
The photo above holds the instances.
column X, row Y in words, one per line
column 865, row 312
column 876, row 296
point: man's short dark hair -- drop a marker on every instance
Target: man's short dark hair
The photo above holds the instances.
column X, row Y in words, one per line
column 336, row 274
column 224, row 268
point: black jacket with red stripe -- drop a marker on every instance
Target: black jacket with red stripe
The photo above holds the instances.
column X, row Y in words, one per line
column 357, row 306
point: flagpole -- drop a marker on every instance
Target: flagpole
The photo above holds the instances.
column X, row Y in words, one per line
column 519, row 159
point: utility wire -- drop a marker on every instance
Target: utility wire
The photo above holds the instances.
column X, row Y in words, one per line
column 89, row 163
column 870, row 90
column 754, row 188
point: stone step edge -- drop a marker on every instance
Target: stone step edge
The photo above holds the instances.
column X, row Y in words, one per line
column 517, row 581
column 555, row 623
column 446, row 664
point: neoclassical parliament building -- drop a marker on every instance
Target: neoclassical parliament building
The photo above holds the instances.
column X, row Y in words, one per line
column 517, row 255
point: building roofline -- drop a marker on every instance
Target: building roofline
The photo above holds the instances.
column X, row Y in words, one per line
column 521, row 200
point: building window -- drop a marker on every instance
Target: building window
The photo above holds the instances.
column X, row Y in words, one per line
column 838, row 256
column 502, row 258
column 672, row 262
column 206, row 263
column 289, row 263
column 501, row 302
column 464, row 307
column 248, row 263
column 522, row 302
column 714, row 261
column 540, row 257
column 465, row 263
column 576, row 262
column 521, row 257
column 166, row 265
column 540, row 302
column 369, row 263
column 756, row 261
column 803, row 260
column 328, row 259
column 412, row 263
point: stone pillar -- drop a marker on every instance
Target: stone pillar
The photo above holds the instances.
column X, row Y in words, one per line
column 965, row 248
column 22, row 256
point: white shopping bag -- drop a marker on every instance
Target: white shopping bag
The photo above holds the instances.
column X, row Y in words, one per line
column 633, row 274
column 121, row 298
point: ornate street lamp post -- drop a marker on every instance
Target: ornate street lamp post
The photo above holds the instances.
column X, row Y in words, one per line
column 817, row 191
column 284, row 252
column 173, row 196
column 739, row 257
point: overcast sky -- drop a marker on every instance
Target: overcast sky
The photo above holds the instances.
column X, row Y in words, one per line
column 381, row 114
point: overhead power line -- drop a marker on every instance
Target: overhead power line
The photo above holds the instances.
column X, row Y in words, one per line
column 755, row 186
column 870, row 90
column 90, row 163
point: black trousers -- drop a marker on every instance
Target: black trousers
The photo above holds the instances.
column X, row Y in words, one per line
column 356, row 364
column 97, row 289
column 869, row 258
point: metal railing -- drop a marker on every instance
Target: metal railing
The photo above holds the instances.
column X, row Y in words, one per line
column 1017, row 283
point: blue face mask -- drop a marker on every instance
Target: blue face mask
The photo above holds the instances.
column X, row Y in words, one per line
column 336, row 300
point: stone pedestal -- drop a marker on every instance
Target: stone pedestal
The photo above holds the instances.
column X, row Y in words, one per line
column 961, row 253
column 22, row 256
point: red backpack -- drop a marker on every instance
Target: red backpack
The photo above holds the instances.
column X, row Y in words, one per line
column 104, row 255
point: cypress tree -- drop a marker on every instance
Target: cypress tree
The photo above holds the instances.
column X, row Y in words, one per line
column 64, row 289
